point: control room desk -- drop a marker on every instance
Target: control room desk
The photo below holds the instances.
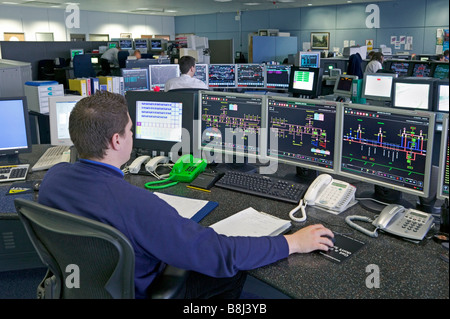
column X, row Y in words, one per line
column 406, row 270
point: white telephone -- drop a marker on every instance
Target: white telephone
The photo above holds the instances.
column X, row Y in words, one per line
column 328, row 193
column 135, row 166
column 154, row 162
column 150, row 163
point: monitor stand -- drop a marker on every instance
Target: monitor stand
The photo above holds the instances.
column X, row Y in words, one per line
column 383, row 195
column 231, row 164
column 12, row 159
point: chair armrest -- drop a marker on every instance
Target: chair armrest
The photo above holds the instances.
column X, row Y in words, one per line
column 169, row 284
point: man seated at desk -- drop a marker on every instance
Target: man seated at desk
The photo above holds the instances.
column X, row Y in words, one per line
column 94, row 187
column 186, row 80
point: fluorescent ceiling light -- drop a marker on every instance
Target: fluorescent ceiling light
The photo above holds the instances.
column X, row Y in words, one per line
column 252, row 3
column 223, row 0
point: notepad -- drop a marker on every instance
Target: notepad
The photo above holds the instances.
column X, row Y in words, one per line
column 195, row 209
column 252, row 223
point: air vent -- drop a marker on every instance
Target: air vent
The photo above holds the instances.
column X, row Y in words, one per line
column 41, row 3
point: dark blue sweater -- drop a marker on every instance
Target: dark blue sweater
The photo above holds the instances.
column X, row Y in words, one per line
column 159, row 235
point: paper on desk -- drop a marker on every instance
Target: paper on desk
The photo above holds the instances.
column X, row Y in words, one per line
column 186, row 207
column 252, row 223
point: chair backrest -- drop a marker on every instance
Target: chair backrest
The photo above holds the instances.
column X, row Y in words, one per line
column 122, row 57
column 79, row 250
column 82, row 66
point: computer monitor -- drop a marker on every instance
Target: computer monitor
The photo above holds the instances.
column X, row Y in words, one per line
column 441, row 104
column 378, row 86
column 201, row 73
column 401, row 68
column 141, row 45
column 14, row 128
column 135, row 79
column 302, row 132
column 439, row 70
column 113, row 44
column 309, row 59
column 163, row 122
column 126, row 44
column 94, row 60
column 304, row 81
column 222, row 75
column 159, row 74
column 158, row 45
column 343, row 85
column 59, row 108
column 250, row 75
column 421, row 69
column 443, row 175
column 231, row 123
column 413, row 93
column 277, row 76
column 391, row 148
column 74, row 52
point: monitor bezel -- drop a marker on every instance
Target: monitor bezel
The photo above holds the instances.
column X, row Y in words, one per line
column 52, row 102
column 442, row 159
column 222, row 86
column 428, row 160
column 150, row 81
column 315, row 88
column 343, row 93
column 238, row 67
column 287, row 67
column 135, row 70
column 261, row 137
column 189, row 115
column 301, row 163
column 374, row 97
column 28, row 149
column 414, row 80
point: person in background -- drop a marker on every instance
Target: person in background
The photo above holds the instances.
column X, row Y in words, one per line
column 111, row 56
column 186, row 80
column 444, row 57
column 376, row 63
column 137, row 54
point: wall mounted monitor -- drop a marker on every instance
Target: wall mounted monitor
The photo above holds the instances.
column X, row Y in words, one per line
column 309, row 59
column 343, row 85
column 250, row 75
column 302, row 132
column 14, row 127
column 277, row 76
column 378, row 86
column 439, row 70
column 421, row 69
column 413, row 93
column 126, row 44
column 222, row 75
column 444, row 165
column 401, row 68
column 163, row 122
column 231, row 123
column 391, row 148
column 74, row 52
column 135, row 79
column 304, row 81
column 159, row 74
column 59, row 108
column 201, row 73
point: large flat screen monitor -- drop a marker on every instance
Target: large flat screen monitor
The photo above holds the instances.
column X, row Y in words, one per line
column 222, row 75
column 302, row 132
column 59, row 108
column 391, row 148
column 304, row 81
column 413, row 93
column 135, row 79
column 277, row 76
column 439, row 70
column 159, row 74
column 231, row 123
column 14, row 127
column 343, row 85
column 163, row 122
column 378, row 86
column 443, row 175
column 250, row 75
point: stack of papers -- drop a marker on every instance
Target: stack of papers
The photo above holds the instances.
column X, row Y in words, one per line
column 251, row 223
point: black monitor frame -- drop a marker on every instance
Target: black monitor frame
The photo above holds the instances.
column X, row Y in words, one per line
column 413, row 66
column 400, row 74
column 313, row 92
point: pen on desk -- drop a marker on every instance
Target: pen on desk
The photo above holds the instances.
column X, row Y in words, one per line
column 200, row 189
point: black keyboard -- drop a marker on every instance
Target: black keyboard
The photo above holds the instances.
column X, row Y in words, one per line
column 263, row 186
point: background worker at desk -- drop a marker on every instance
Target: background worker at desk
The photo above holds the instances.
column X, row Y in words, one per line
column 101, row 130
column 111, row 56
column 186, row 80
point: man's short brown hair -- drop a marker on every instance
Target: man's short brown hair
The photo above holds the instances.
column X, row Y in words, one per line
column 94, row 120
column 186, row 62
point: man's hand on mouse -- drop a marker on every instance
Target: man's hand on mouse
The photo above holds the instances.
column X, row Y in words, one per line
column 310, row 238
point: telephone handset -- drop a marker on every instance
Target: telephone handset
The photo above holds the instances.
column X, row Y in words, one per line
column 186, row 169
column 409, row 223
column 135, row 166
column 327, row 193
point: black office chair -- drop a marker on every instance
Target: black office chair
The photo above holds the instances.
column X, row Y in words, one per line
column 46, row 70
column 122, row 57
column 103, row 257
column 82, row 66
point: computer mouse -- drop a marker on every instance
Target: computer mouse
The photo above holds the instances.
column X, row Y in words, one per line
column 333, row 239
column 37, row 185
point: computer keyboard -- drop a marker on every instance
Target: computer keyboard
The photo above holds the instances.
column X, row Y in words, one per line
column 52, row 156
column 263, row 186
column 12, row 173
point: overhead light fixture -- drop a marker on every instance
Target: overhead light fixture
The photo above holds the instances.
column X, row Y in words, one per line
column 223, row 0
column 252, row 4
column 6, row 2
column 309, row 4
